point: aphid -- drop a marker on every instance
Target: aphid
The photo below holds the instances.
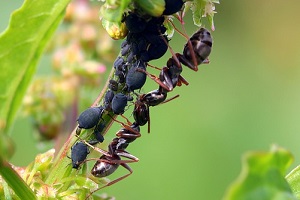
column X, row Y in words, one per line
column 118, row 104
column 155, row 26
column 135, row 23
column 156, row 48
column 136, row 79
column 98, row 131
column 113, row 85
column 172, row 6
column 79, row 152
column 90, row 117
column 125, row 49
column 109, row 95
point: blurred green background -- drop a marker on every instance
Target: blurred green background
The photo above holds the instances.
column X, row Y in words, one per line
column 247, row 98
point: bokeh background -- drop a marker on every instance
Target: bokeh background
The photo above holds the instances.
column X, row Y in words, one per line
column 246, row 99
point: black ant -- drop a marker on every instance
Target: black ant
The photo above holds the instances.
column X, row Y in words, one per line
column 141, row 111
column 111, row 159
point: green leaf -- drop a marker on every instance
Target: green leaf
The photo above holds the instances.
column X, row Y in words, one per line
column 262, row 177
column 293, row 178
column 152, row 7
column 15, row 182
column 204, row 8
column 113, row 11
column 21, row 46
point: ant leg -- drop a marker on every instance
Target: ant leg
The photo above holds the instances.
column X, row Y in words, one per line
column 114, row 181
column 183, row 80
column 127, row 120
column 189, row 44
column 154, row 67
column 153, row 77
column 127, row 127
column 126, row 154
column 95, row 148
column 128, row 135
column 170, row 99
column 148, row 116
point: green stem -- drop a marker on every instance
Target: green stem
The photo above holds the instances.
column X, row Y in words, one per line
column 62, row 164
column 15, row 182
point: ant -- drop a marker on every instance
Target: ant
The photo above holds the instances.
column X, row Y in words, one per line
column 111, row 159
column 141, row 111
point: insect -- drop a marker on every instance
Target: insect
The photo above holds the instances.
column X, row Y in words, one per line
column 197, row 49
column 109, row 162
column 113, row 85
column 79, row 152
column 141, row 111
column 134, row 78
column 109, row 95
column 135, row 23
column 172, row 6
column 118, row 104
column 90, row 117
column 145, row 37
column 98, row 131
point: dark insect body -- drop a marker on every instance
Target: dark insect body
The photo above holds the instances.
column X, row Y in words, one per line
column 90, row 117
column 145, row 41
column 172, row 6
column 109, row 162
column 118, row 104
column 197, row 49
column 79, row 152
column 136, row 79
column 109, row 96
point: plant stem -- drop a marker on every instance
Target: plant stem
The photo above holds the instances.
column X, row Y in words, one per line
column 62, row 161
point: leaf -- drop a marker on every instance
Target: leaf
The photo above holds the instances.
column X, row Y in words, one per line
column 15, row 182
column 113, row 11
column 204, row 8
column 21, row 46
column 293, row 178
column 154, row 8
column 262, row 177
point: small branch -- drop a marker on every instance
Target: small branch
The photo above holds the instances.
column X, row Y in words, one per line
column 62, row 164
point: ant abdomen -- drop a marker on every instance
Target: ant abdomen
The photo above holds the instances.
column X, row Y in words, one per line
column 103, row 168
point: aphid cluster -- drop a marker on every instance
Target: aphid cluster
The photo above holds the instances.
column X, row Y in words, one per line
column 145, row 41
